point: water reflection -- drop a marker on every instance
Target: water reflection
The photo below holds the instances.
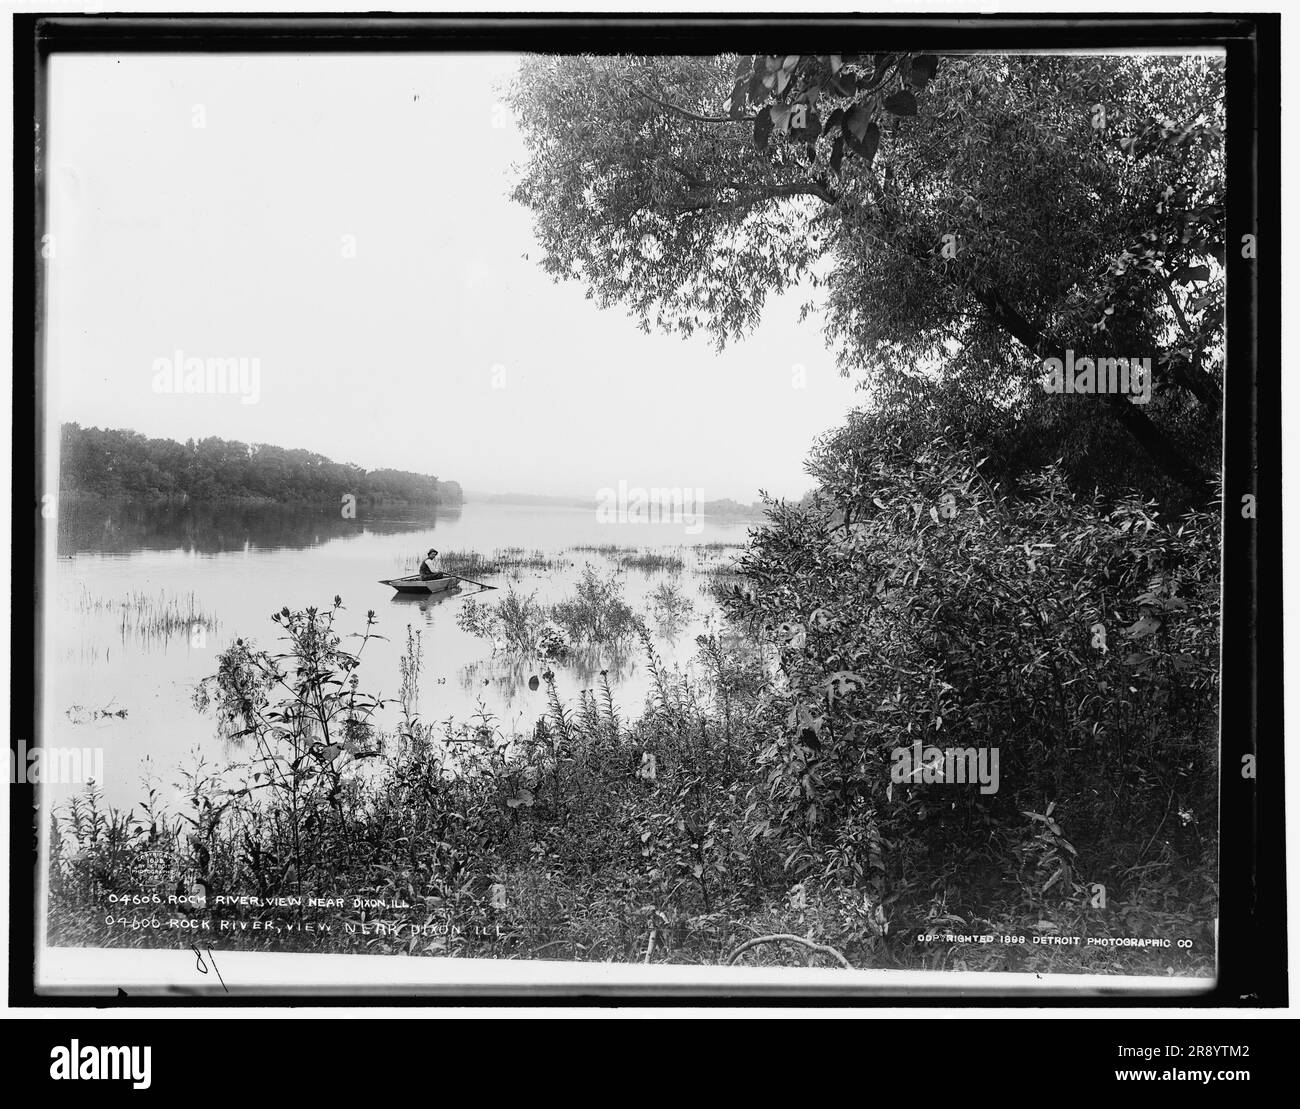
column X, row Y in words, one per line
column 121, row 527
column 512, row 678
column 428, row 603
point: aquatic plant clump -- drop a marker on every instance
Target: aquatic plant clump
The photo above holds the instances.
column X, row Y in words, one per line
column 595, row 615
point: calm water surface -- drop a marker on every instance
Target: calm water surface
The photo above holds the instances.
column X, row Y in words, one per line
column 242, row 564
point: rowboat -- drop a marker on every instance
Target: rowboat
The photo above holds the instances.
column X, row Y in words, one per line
column 417, row 584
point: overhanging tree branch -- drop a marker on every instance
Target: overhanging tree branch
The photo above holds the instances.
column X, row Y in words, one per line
column 685, row 113
column 748, row 200
column 1161, row 449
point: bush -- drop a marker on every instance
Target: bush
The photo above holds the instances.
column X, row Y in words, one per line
column 595, row 616
column 916, row 605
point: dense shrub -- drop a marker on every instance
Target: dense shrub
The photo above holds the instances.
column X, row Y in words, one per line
column 912, row 603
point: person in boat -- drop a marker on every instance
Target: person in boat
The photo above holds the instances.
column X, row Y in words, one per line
column 426, row 567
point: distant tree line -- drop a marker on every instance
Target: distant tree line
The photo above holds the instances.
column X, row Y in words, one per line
column 728, row 507
column 724, row 507
column 118, row 462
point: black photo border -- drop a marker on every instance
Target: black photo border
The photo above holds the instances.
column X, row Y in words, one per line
column 1252, row 967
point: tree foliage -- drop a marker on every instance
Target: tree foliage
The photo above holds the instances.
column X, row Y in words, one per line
column 112, row 462
column 963, row 218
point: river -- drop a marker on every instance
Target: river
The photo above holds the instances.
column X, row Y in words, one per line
column 120, row 565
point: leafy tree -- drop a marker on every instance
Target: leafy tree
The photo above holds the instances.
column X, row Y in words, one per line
column 964, row 218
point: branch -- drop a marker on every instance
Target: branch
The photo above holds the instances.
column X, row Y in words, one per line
column 1159, row 447
column 685, row 113
column 748, row 200
column 878, row 78
column 1010, row 320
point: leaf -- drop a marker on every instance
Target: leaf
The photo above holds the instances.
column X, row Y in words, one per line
column 780, row 115
column 923, row 69
column 533, row 683
column 858, row 120
column 902, row 103
column 868, row 146
column 1144, row 627
column 837, row 155
column 762, row 128
column 735, row 103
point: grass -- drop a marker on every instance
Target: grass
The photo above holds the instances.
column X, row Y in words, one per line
column 610, row 549
column 721, row 570
column 652, row 562
column 719, row 579
column 151, row 617
column 502, row 560
column 639, row 558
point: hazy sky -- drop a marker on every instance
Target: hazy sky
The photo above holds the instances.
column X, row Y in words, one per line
column 436, row 346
